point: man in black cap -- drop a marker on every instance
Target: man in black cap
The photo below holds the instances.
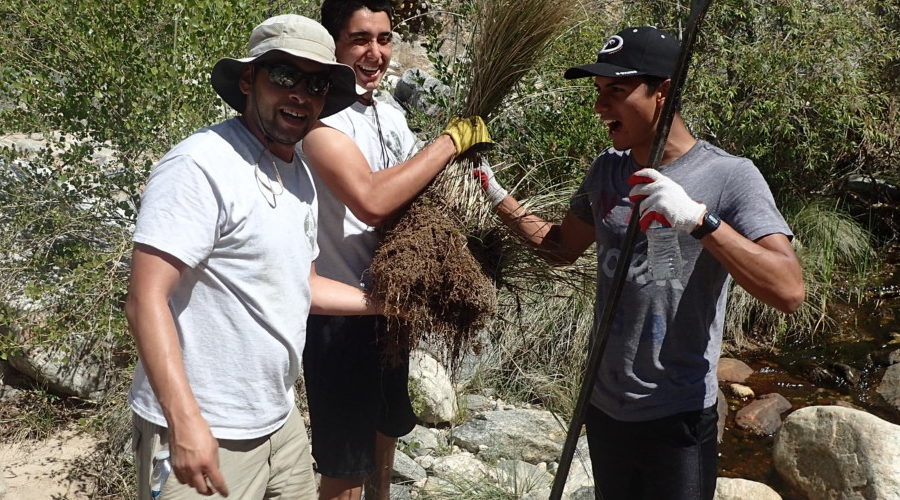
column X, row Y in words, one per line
column 651, row 425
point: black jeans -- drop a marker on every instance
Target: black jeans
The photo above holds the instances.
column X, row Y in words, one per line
column 671, row 458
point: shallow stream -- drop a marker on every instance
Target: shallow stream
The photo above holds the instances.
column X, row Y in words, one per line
column 796, row 373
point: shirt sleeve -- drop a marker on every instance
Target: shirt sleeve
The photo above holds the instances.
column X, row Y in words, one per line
column 750, row 206
column 580, row 204
column 179, row 211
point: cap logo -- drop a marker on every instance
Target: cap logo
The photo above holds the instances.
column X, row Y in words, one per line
column 613, row 45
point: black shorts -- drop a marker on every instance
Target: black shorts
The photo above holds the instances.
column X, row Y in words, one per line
column 352, row 394
column 673, row 457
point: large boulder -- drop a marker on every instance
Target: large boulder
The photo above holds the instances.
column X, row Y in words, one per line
column 432, row 391
column 831, row 452
column 73, row 370
column 525, row 434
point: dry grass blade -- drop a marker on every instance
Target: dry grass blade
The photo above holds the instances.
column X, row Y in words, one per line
column 511, row 37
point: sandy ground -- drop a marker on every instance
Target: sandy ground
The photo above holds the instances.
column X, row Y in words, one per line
column 37, row 470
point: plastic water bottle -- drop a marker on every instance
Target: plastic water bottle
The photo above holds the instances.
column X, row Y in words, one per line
column 162, row 467
column 663, row 252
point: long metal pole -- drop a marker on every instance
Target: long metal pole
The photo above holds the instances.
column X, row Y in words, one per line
column 600, row 331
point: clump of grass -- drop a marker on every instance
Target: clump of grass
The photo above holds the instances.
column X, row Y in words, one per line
column 425, row 268
column 34, row 414
column 835, row 252
column 467, row 488
column 510, row 37
column 539, row 342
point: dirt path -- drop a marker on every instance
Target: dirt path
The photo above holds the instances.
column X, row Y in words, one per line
column 38, row 470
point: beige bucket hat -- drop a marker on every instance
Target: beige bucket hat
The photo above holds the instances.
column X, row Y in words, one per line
column 297, row 36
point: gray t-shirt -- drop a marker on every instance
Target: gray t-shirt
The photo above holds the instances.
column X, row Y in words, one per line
column 666, row 336
column 348, row 243
column 214, row 203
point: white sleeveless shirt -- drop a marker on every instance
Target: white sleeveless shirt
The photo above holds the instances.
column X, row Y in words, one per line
column 346, row 243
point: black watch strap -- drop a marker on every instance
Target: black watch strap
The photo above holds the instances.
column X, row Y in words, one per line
column 709, row 224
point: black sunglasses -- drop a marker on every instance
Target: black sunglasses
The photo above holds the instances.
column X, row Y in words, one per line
column 286, row 76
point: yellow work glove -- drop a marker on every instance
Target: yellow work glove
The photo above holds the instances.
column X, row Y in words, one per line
column 469, row 134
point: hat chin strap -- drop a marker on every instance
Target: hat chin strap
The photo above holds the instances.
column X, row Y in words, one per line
column 268, row 136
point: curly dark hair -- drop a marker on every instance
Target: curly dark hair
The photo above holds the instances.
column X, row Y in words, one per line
column 335, row 13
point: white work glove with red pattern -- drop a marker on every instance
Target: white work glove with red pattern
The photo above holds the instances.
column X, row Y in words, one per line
column 664, row 201
column 492, row 189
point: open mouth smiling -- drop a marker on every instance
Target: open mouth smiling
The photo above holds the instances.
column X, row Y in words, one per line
column 293, row 116
column 613, row 125
column 369, row 71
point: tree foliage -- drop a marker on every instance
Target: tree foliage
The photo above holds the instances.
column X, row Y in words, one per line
column 808, row 90
column 111, row 86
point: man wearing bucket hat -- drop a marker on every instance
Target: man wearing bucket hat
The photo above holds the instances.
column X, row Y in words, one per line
column 651, row 424
column 366, row 169
column 223, row 278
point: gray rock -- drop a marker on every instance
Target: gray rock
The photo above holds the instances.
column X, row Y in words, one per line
column 425, row 461
column 460, row 465
column 763, row 416
column 7, row 393
column 476, row 403
column 733, row 370
column 399, row 492
column 889, row 388
column 75, row 371
column 541, row 494
column 420, row 441
column 28, row 144
column 406, row 470
column 869, row 185
column 530, row 435
column 830, row 452
column 581, row 471
column 583, row 493
column 742, row 489
column 419, row 90
column 431, row 389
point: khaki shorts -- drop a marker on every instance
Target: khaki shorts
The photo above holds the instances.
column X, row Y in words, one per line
column 275, row 466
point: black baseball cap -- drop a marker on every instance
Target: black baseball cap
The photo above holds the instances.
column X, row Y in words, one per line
column 638, row 51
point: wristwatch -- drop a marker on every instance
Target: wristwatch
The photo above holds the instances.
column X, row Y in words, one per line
column 709, row 224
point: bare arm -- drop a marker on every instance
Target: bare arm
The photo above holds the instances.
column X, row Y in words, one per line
column 195, row 455
column 372, row 196
column 334, row 298
column 767, row 268
column 559, row 244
